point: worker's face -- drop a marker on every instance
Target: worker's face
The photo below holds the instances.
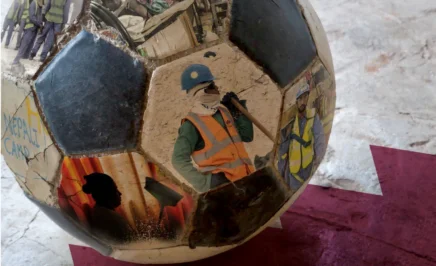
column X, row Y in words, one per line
column 107, row 195
column 212, row 89
column 302, row 102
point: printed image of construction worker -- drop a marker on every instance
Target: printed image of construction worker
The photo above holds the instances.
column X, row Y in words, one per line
column 33, row 16
column 55, row 15
column 12, row 18
column 212, row 134
column 302, row 143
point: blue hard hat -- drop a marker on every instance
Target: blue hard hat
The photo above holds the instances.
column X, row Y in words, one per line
column 305, row 88
column 195, row 74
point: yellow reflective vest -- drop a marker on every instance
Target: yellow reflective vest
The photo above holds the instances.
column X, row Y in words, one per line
column 224, row 150
column 56, row 12
column 301, row 147
column 13, row 12
column 26, row 15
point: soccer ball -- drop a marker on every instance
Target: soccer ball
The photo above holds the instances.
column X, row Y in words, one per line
column 107, row 142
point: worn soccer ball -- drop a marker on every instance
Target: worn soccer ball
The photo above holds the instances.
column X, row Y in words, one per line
column 110, row 140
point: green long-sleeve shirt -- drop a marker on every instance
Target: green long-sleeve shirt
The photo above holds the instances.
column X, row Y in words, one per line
column 190, row 140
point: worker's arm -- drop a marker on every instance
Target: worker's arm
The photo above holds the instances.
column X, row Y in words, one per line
column 181, row 159
column 16, row 7
column 244, row 125
column 285, row 141
column 46, row 7
column 320, row 145
column 66, row 11
column 32, row 15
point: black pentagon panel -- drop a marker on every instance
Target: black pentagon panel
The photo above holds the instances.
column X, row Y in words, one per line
column 229, row 214
column 92, row 95
column 274, row 34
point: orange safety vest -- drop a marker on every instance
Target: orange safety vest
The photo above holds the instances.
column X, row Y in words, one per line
column 224, row 150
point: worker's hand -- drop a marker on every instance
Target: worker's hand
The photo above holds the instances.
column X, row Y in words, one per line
column 227, row 99
column 227, row 102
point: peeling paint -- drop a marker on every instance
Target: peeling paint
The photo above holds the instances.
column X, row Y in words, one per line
column 41, row 175
column 24, row 139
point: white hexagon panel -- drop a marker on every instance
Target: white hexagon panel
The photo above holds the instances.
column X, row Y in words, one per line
column 26, row 145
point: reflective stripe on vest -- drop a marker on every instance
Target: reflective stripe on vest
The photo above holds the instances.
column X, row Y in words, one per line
column 224, row 150
column 56, row 12
column 300, row 156
column 26, row 14
column 234, row 164
column 26, row 10
column 299, row 179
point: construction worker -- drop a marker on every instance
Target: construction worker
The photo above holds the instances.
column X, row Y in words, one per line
column 212, row 134
column 21, row 23
column 10, row 21
column 55, row 15
column 33, row 16
column 302, row 143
